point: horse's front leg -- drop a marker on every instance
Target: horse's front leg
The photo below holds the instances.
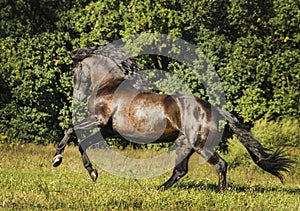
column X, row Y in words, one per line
column 86, row 124
column 83, row 145
column 57, row 158
column 88, row 165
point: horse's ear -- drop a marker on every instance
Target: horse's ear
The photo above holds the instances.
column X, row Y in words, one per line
column 70, row 54
column 79, row 55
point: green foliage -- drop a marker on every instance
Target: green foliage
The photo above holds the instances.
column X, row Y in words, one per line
column 283, row 132
column 253, row 46
column 176, row 81
column 237, row 155
column 252, row 105
column 20, row 17
column 263, row 60
column 34, row 75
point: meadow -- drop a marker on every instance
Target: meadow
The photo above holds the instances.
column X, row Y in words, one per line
column 29, row 182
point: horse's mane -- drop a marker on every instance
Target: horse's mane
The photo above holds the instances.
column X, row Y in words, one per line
column 127, row 64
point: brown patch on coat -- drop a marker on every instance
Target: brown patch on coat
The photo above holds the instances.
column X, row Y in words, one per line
column 172, row 111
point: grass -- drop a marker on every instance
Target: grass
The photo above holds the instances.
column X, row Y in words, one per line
column 29, row 182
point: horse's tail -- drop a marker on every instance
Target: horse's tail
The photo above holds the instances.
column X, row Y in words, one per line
column 272, row 162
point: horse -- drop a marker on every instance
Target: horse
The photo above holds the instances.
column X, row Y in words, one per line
column 119, row 108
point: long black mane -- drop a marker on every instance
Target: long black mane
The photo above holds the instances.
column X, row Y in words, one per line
column 125, row 62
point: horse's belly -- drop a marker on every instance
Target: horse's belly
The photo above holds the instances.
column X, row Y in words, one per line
column 149, row 137
column 144, row 126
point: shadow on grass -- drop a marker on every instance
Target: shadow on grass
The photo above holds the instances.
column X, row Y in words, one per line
column 199, row 185
column 196, row 185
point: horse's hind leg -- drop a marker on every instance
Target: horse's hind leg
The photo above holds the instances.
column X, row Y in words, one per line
column 219, row 164
column 221, row 167
column 57, row 158
column 183, row 152
column 204, row 145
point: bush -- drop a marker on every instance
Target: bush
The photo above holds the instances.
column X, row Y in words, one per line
column 253, row 45
column 281, row 132
column 36, row 80
column 237, row 154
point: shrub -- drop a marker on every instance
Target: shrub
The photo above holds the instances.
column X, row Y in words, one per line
column 253, row 46
column 281, row 132
column 36, row 80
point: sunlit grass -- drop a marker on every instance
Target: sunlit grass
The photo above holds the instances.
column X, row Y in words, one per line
column 29, row 182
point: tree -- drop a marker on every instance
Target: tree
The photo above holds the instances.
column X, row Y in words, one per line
column 253, row 46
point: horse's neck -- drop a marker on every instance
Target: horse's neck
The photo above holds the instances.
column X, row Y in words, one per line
column 106, row 82
column 104, row 71
column 102, row 77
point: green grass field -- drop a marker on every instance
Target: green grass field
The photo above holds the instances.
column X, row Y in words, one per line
column 29, row 182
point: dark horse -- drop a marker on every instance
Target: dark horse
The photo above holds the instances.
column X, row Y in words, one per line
column 117, row 107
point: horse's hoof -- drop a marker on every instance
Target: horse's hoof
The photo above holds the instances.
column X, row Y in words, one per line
column 94, row 175
column 162, row 188
column 220, row 190
column 57, row 159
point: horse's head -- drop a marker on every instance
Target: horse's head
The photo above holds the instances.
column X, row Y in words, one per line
column 82, row 76
column 82, row 81
column 97, row 66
